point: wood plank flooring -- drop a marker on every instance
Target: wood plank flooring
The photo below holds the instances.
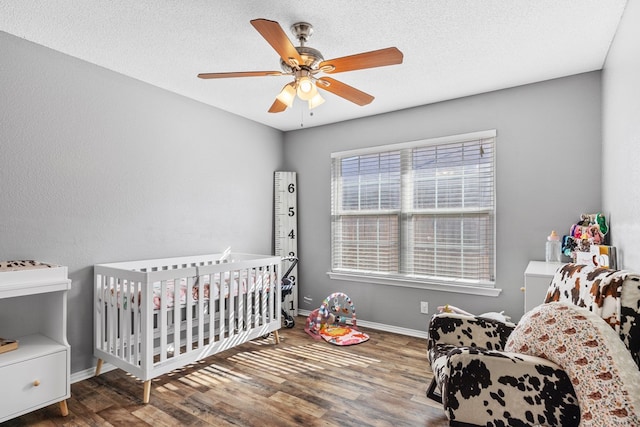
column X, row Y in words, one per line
column 299, row 382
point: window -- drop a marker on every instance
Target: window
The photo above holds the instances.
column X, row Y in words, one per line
column 419, row 212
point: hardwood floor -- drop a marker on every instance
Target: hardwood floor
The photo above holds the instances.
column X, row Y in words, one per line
column 300, row 382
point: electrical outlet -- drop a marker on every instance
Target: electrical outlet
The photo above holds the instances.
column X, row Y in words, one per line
column 424, row 307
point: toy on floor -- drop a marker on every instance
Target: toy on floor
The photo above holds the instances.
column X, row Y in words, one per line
column 329, row 322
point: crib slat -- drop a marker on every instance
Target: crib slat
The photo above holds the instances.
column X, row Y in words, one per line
column 231, row 304
column 177, row 315
column 222, row 303
column 147, row 343
column 251, row 286
column 188, row 313
column 268, row 300
column 162, row 321
column 212, row 309
column 201, row 313
column 112, row 312
column 134, row 343
column 122, row 305
column 240, row 295
column 131, row 309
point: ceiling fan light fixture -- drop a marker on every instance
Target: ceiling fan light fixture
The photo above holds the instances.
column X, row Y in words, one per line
column 315, row 101
column 287, row 95
column 306, row 88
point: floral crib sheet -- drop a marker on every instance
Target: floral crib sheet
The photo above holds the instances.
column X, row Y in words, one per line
column 244, row 283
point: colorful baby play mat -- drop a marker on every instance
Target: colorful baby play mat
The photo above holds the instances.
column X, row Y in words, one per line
column 342, row 335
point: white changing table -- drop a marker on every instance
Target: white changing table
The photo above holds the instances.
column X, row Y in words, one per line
column 33, row 310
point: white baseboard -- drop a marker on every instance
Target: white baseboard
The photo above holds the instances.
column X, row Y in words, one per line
column 382, row 327
column 90, row 372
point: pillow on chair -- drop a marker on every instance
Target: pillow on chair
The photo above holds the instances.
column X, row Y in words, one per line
column 605, row 378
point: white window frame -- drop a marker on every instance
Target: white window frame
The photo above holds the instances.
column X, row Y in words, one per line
column 476, row 287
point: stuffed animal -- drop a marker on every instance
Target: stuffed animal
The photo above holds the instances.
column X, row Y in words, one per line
column 494, row 315
column 602, row 223
column 594, row 235
column 568, row 246
column 452, row 309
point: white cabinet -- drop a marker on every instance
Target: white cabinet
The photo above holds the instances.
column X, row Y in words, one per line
column 537, row 278
column 33, row 310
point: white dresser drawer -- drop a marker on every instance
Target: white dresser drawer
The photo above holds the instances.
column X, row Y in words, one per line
column 33, row 383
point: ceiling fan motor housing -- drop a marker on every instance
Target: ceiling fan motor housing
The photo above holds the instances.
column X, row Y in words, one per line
column 311, row 57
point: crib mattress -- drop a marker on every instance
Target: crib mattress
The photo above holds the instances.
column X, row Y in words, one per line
column 125, row 292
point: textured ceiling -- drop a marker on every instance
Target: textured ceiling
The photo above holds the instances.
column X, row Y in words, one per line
column 452, row 48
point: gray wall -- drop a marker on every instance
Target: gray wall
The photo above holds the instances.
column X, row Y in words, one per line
column 97, row 167
column 548, row 172
column 621, row 138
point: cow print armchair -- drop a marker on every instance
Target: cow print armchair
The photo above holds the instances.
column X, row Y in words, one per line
column 493, row 373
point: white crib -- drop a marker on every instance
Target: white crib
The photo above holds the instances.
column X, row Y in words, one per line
column 153, row 316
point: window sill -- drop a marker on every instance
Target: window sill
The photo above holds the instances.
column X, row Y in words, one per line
column 408, row 283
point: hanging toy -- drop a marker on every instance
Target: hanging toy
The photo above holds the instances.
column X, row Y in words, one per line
column 336, row 306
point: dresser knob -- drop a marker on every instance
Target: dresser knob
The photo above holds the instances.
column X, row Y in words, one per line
column 36, row 383
column 522, row 289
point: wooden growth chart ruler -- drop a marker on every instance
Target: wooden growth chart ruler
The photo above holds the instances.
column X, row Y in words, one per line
column 286, row 229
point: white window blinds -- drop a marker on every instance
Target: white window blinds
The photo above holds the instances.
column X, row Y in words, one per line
column 423, row 210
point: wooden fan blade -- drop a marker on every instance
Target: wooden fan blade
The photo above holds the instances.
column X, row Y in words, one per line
column 239, row 74
column 359, row 61
column 277, row 107
column 344, row 90
column 276, row 37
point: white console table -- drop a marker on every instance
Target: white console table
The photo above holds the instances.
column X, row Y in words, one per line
column 33, row 311
column 537, row 278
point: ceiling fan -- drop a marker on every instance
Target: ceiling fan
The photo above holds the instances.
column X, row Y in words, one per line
column 304, row 63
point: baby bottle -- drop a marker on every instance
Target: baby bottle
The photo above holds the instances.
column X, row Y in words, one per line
column 552, row 253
